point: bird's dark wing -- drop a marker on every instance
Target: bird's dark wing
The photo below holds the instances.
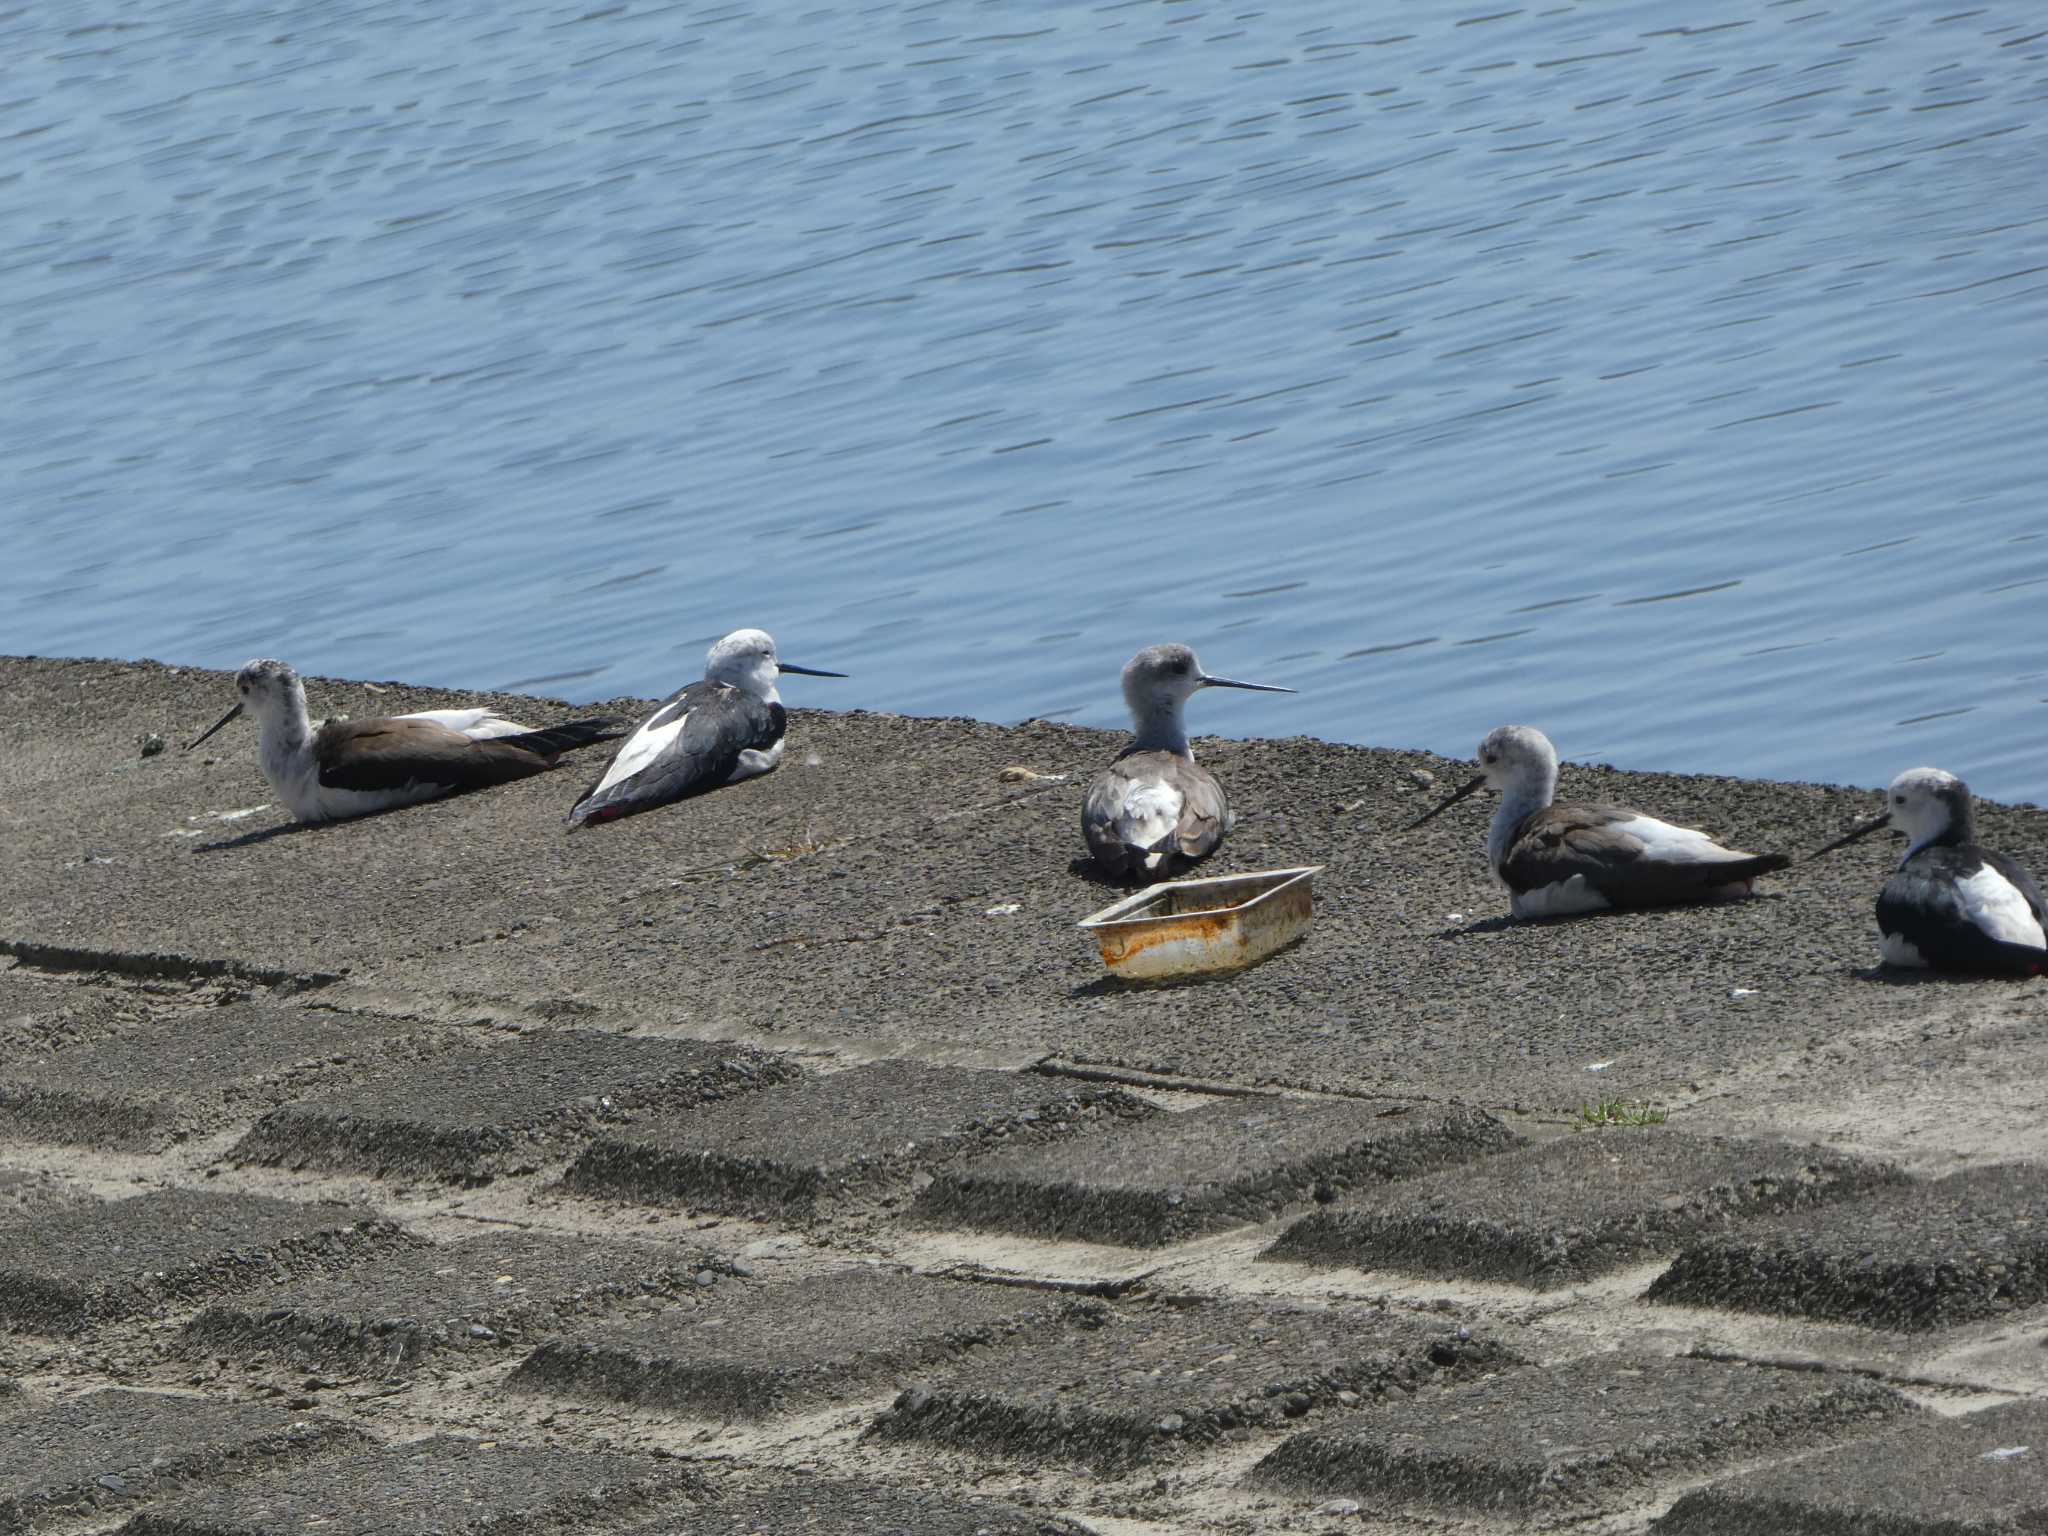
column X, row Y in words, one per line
column 1925, row 903
column 691, row 744
column 571, row 734
column 1631, row 859
column 395, row 753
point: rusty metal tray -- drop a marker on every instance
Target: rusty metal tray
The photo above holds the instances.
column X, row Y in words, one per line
column 1191, row 927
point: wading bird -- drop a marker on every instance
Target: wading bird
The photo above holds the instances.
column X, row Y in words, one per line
column 1154, row 810
column 1559, row 859
column 354, row 767
column 1952, row 905
column 727, row 728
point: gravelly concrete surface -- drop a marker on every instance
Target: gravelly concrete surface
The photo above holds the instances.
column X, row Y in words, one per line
column 1577, row 1434
column 1576, row 1207
column 1969, row 1246
column 825, row 1508
column 110, row 1449
column 816, row 1331
column 759, row 1350
column 435, row 1487
column 493, row 1292
column 850, row 1135
column 1140, row 1383
column 63, row 1271
column 1226, row 1164
column 1985, row 1474
column 830, row 900
column 513, row 1106
column 160, row 1082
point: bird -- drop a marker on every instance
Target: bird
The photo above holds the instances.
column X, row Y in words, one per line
column 1557, row 860
column 724, row 729
column 1952, row 904
column 354, row 767
column 1154, row 810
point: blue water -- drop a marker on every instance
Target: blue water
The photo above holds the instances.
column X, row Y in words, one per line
column 1677, row 388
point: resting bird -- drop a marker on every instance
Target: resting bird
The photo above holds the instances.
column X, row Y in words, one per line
column 1561, row 859
column 354, row 767
column 1153, row 810
column 1953, row 905
column 727, row 728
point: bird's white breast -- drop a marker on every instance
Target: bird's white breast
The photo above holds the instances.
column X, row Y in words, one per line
column 1150, row 812
column 755, row 761
column 1897, row 949
column 1561, row 898
column 1994, row 904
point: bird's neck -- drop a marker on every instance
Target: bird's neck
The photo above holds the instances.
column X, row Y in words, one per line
column 753, row 680
column 1517, row 801
column 1159, row 729
column 1961, row 829
column 284, row 734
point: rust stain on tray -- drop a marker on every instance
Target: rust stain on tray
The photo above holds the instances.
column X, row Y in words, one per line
column 1190, row 927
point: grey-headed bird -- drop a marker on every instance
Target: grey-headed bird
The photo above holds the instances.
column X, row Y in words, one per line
column 1557, row 859
column 1154, row 810
column 355, row 767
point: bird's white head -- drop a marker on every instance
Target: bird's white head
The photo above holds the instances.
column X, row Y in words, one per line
column 269, row 690
column 1926, row 804
column 746, row 660
column 1518, row 761
column 1518, row 758
column 1929, row 806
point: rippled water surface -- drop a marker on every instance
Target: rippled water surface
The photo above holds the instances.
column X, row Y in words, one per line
column 1678, row 388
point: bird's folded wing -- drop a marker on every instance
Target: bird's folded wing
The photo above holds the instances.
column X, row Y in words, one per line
column 393, row 753
column 707, row 726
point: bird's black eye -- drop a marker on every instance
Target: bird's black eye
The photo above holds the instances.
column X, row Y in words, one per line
column 1898, row 799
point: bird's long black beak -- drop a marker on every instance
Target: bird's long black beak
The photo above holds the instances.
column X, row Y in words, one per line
column 1231, row 682
column 223, row 720
column 1847, row 838
column 1444, row 805
column 790, row 666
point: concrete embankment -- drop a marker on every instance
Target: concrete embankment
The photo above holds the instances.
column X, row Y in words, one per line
column 785, row 1156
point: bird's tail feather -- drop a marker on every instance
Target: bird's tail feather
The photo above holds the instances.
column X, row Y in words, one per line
column 570, row 735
